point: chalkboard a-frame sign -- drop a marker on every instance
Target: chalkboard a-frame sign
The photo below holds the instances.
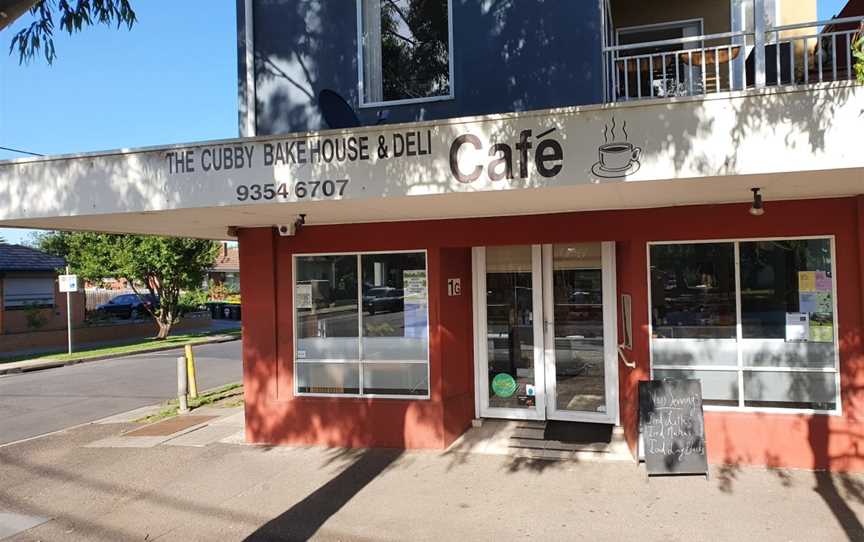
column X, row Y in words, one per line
column 672, row 426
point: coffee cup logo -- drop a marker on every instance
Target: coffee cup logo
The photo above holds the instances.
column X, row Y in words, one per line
column 618, row 158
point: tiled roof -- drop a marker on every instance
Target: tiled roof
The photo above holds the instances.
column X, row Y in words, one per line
column 228, row 260
column 19, row 258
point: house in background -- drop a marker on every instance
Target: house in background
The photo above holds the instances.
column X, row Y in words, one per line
column 31, row 300
column 226, row 268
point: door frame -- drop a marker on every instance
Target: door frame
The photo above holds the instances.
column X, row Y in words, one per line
column 610, row 340
column 481, row 353
column 544, row 348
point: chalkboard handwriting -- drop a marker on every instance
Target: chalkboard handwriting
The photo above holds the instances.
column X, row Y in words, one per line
column 672, row 426
column 667, row 399
column 679, row 449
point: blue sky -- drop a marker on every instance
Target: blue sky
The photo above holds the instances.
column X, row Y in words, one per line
column 827, row 8
column 172, row 78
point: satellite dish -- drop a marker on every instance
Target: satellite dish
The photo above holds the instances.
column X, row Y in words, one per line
column 337, row 113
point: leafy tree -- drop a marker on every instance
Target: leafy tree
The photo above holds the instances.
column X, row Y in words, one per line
column 71, row 15
column 161, row 266
column 414, row 41
column 858, row 52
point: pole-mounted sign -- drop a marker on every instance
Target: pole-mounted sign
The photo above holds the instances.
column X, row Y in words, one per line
column 68, row 284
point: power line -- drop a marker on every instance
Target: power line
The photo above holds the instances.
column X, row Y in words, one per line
column 10, row 149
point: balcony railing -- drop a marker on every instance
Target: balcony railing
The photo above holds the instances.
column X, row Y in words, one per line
column 712, row 63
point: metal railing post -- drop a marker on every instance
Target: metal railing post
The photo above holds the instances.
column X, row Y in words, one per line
column 759, row 43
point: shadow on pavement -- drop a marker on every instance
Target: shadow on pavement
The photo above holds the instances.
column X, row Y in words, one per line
column 302, row 521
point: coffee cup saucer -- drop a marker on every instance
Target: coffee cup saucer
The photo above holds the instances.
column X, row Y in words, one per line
column 598, row 171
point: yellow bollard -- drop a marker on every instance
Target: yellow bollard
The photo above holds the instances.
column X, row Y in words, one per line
column 190, row 371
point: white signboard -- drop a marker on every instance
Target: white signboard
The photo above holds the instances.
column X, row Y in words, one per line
column 553, row 148
column 68, row 283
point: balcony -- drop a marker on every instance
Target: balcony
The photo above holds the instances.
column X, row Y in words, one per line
column 699, row 64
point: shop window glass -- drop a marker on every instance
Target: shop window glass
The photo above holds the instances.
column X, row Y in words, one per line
column 693, row 291
column 362, row 324
column 326, row 303
column 329, row 378
column 394, row 307
column 785, row 353
column 719, row 388
column 405, row 49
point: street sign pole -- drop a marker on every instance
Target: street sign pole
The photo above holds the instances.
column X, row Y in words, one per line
column 69, row 315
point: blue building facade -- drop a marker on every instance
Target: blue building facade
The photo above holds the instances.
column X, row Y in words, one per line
column 503, row 57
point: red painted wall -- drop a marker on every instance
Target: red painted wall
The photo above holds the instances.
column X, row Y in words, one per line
column 274, row 415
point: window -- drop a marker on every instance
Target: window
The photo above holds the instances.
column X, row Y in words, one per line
column 775, row 347
column 405, row 51
column 362, row 324
column 19, row 293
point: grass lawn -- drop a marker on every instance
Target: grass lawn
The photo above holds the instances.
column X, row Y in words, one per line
column 230, row 395
column 138, row 346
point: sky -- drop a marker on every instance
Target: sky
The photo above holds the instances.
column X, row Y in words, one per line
column 171, row 79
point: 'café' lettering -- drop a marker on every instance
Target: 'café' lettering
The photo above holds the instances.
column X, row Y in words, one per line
column 548, row 157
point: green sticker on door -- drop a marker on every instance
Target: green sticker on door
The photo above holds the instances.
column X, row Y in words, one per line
column 503, row 385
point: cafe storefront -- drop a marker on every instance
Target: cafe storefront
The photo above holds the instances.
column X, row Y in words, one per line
column 399, row 282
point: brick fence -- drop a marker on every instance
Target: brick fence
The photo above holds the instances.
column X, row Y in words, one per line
column 47, row 340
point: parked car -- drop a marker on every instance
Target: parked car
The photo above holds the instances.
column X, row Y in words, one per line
column 128, row 306
column 384, row 299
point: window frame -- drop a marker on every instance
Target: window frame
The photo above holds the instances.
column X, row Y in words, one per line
column 740, row 368
column 294, row 321
column 361, row 97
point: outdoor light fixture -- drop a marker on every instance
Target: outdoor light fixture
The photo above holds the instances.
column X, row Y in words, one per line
column 757, row 209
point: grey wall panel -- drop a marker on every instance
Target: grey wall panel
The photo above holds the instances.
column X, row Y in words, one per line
column 508, row 56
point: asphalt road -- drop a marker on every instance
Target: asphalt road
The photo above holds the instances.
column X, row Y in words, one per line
column 40, row 402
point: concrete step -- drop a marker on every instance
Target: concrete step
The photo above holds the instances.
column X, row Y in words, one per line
column 544, row 440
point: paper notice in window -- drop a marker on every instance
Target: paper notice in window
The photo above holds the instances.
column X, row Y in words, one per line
column 303, row 296
column 806, row 281
column 807, row 302
column 823, row 282
column 824, row 304
column 822, row 334
column 414, row 281
column 797, row 326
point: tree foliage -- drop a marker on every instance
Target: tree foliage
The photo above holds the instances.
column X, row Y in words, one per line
column 414, row 48
column 161, row 266
column 71, row 16
column 858, row 52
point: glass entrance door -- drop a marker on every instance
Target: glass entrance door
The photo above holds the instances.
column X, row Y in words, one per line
column 545, row 316
column 581, row 349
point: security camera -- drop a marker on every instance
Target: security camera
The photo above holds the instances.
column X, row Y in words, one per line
column 288, row 230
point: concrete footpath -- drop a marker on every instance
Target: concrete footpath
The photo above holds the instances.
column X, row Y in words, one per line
column 91, row 483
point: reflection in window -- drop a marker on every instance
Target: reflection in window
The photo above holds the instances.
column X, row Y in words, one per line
column 510, row 326
column 693, row 290
column 341, row 331
column 772, row 273
column 785, row 355
column 406, row 49
column 327, row 317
